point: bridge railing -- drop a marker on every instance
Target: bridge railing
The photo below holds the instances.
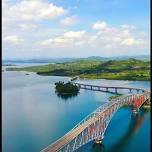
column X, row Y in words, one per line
column 100, row 109
column 118, row 87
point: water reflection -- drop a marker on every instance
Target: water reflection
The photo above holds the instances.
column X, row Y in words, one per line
column 134, row 126
column 98, row 147
column 33, row 114
column 67, row 96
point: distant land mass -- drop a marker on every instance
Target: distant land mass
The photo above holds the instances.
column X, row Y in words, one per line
column 126, row 69
column 62, row 60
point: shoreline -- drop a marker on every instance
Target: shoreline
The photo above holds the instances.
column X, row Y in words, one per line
column 131, row 69
column 84, row 78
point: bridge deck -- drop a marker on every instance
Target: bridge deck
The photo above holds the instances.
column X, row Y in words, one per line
column 56, row 146
column 68, row 137
column 112, row 87
column 59, row 144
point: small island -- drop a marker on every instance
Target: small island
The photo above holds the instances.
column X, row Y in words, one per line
column 66, row 89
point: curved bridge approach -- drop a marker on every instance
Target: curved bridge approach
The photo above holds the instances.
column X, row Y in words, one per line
column 94, row 125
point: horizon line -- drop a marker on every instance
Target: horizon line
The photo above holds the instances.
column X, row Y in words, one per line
column 31, row 58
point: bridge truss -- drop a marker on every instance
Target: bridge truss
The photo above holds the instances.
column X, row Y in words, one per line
column 93, row 127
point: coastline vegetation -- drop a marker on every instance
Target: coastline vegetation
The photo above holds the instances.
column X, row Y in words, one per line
column 130, row 69
column 115, row 96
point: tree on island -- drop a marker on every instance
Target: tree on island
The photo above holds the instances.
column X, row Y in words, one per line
column 66, row 88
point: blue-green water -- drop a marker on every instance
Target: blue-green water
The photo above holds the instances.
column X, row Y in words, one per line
column 33, row 116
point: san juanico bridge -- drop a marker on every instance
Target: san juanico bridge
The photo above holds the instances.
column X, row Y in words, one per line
column 93, row 127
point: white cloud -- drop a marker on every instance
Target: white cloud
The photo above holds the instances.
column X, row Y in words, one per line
column 74, row 35
column 26, row 27
column 13, row 39
column 29, row 24
column 23, row 21
column 110, row 37
column 32, row 10
column 69, row 21
column 99, row 25
column 68, row 39
column 128, row 41
column 129, row 27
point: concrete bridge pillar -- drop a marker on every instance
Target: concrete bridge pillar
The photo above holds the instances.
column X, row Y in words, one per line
column 98, row 140
column 107, row 89
column 79, row 86
column 116, row 90
column 143, row 91
column 135, row 110
column 130, row 90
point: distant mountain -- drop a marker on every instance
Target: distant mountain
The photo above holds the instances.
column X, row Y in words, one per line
column 41, row 60
column 98, row 58
column 138, row 57
column 62, row 60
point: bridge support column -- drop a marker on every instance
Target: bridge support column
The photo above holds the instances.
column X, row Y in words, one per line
column 78, row 85
column 98, row 140
column 130, row 90
column 137, row 91
column 135, row 110
column 116, row 90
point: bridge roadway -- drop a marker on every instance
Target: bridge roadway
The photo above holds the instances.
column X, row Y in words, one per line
column 82, row 85
column 72, row 134
column 92, row 118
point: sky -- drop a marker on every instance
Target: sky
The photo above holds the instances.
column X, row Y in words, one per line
column 75, row 28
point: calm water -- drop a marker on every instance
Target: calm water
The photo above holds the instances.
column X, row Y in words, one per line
column 33, row 116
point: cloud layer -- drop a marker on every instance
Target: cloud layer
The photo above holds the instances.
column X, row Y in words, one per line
column 32, row 10
column 40, row 27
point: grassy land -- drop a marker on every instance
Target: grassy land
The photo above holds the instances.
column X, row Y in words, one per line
column 115, row 96
column 141, row 75
column 130, row 69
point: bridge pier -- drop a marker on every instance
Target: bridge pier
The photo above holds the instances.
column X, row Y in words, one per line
column 130, row 90
column 135, row 110
column 98, row 140
column 143, row 91
column 116, row 90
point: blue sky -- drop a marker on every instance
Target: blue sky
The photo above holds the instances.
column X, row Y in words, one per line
column 75, row 28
